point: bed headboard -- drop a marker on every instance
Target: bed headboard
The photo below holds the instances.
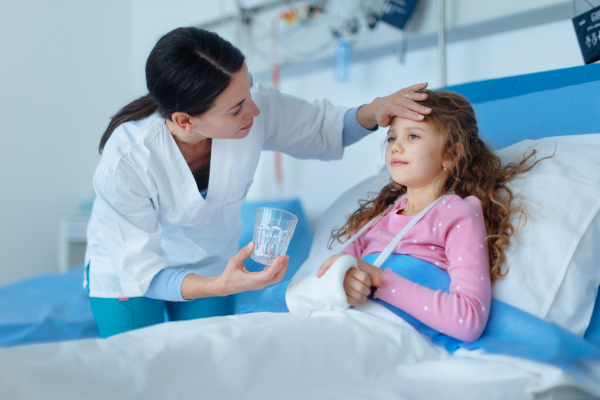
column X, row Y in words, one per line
column 533, row 106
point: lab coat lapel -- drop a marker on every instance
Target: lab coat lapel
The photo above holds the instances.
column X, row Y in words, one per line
column 180, row 176
column 232, row 167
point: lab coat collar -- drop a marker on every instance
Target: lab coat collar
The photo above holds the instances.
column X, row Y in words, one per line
column 224, row 176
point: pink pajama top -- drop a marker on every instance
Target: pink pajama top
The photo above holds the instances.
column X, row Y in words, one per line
column 451, row 236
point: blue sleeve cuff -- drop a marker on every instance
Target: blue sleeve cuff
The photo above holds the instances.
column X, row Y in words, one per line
column 166, row 285
column 353, row 131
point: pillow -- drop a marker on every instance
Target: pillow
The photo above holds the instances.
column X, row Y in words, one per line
column 562, row 195
column 571, row 306
column 553, row 258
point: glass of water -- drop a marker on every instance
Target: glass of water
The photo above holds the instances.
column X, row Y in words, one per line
column 273, row 230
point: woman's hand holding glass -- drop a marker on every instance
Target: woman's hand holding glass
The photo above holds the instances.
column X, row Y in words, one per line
column 236, row 278
column 357, row 282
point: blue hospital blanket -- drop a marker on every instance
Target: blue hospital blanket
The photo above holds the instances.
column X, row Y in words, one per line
column 509, row 331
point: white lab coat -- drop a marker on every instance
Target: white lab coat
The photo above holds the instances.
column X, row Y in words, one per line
column 149, row 214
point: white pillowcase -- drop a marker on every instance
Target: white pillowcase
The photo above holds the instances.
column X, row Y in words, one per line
column 554, row 258
column 563, row 197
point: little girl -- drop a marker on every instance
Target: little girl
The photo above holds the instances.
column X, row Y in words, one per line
column 465, row 234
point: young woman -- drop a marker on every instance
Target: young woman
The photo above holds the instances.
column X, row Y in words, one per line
column 175, row 170
column 465, row 234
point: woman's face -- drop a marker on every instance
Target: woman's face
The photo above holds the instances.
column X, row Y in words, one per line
column 232, row 113
column 413, row 154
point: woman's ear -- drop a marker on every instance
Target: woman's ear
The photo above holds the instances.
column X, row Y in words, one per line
column 183, row 121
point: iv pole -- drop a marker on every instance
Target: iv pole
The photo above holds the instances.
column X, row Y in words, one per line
column 441, row 44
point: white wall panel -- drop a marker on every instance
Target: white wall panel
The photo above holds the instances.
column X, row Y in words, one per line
column 64, row 72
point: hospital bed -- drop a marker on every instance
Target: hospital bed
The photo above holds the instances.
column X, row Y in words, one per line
column 364, row 352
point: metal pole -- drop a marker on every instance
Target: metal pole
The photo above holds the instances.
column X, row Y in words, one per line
column 275, row 75
column 441, row 44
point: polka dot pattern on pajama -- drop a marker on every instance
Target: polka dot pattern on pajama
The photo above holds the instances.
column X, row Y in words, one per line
column 450, row 236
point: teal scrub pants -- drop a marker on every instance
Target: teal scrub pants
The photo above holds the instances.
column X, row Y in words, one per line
column 115, row 316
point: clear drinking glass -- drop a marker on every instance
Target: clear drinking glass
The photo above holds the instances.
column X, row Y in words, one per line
column 273, row 230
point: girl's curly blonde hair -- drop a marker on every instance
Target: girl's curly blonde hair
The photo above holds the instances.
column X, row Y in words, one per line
column 475, row 171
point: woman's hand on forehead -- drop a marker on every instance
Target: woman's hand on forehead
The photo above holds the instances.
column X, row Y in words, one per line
column 400, row 104
column 403, row 104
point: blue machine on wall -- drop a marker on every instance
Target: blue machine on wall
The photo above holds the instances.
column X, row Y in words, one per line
column 587, row 28
column 398, row 12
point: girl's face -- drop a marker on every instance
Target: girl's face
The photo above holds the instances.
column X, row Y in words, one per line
column 414, row 154
column 232, row 113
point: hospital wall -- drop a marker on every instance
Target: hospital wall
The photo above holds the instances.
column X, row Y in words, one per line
column 64, row 71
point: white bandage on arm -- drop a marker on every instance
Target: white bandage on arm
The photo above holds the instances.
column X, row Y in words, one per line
column 308, row 294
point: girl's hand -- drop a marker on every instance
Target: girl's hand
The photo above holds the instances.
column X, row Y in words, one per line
column 372, row 271
column 357, row 285
column 236, row 278
column 382, row 110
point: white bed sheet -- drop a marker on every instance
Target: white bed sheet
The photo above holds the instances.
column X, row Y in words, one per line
column 366, row 352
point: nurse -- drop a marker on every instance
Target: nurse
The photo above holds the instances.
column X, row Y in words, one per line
column 175, row 170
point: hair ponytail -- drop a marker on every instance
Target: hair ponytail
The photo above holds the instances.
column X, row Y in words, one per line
column 134, row 111
column 186, row 71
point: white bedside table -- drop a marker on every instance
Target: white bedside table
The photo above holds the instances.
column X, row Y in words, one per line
column 72, row 239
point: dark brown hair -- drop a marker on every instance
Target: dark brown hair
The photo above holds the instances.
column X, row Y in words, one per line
column 187, row 70
column 475, row 171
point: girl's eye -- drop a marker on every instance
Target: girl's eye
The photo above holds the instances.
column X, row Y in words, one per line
column 391, row 139
column 237, row 112
column 413, row 136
